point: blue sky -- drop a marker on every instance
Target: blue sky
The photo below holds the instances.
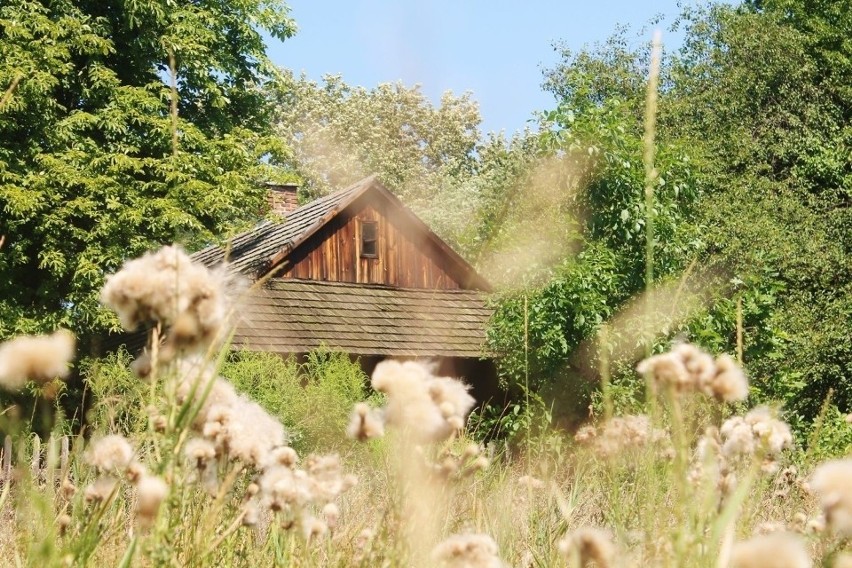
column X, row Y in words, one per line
column 495, row 49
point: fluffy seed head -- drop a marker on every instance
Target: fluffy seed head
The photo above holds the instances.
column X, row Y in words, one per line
column 313, row 528
column 619, row 434
column 686, row 368
column 237, row 426
column 365, row 423
column 468, row 551
column 283, row 455
column 326, row 477
column 282, row 489
column 68, row 489
column 756, row 432
column 587, row 545
column 667, row 369
column 773, row 434
column 331, row 514
column 831, row 482
column 135, row 471
column 698, row 364
column 200, row 451
column 775, row 550
column 158, row 286
column 110, row 453
column 100, row 490
column 167, row 286
column 428, row 408
column 729, row 383
column 197, row 378
column 39, row 358
column 250, row 433
column 151, row 491
column 62, row 522
column 251, row 514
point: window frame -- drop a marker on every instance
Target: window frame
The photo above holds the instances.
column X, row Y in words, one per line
column 364, row 241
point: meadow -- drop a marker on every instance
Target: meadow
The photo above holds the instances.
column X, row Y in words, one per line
column 292, row 464
column 195, row 454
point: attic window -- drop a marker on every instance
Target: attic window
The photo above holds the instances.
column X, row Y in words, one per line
column 369, row 237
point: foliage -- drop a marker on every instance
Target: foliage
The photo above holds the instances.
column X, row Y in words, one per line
column 471, row 211
column 606, row 150
column 829, row 436
column 117, row 398
column 602, row 211
column 598, row 74
column 341, row 134
column 312, row 399
column 754, row 134
column 753, row 89
column 558, row 315
column 96, row 164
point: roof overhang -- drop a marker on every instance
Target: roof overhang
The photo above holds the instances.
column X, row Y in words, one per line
column 297, row 316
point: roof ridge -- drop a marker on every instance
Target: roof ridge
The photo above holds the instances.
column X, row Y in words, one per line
column 262, row 248
column 267, row 238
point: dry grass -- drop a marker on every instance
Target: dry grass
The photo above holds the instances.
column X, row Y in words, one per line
column 204, row 477
column 685, row 485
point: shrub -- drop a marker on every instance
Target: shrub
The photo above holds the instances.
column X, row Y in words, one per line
column 312, row 399
column 117, row 396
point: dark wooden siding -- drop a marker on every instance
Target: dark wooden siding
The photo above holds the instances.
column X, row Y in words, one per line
column 406, row 258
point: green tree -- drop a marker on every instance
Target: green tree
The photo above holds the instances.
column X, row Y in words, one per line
column 596, row 157
column 123, row 125
column 756, row 99
column 759, row 90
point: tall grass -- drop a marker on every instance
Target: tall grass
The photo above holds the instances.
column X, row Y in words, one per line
column 185, row 462
column 689, row 483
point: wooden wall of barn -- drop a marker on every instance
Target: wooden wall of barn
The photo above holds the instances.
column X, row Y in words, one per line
column 406, row 257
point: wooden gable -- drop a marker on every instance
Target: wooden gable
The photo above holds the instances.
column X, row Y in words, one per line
column 374, row 239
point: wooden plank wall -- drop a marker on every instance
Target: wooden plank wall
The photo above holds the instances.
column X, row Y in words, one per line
column 406, row 258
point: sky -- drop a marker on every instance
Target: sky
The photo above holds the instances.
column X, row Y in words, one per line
column 495, row 49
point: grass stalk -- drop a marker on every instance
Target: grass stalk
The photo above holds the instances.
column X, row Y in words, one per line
column 648, row 155
column 527, row 409
column 819, row 422
column 740, row 330
column 603, row 359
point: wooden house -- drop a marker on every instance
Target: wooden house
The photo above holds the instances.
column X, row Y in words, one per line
column 358, row 272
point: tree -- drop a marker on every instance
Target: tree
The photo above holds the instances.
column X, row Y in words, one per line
column 341, row 134
column 757, row 101
column 433, row 156
column 760, row 92
column 123, row 125
column 594, row 206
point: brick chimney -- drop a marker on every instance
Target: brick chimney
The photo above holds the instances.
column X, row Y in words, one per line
column 282, row 197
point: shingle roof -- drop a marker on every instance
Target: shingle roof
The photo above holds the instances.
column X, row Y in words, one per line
column 295, row 316
column 250, row 251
